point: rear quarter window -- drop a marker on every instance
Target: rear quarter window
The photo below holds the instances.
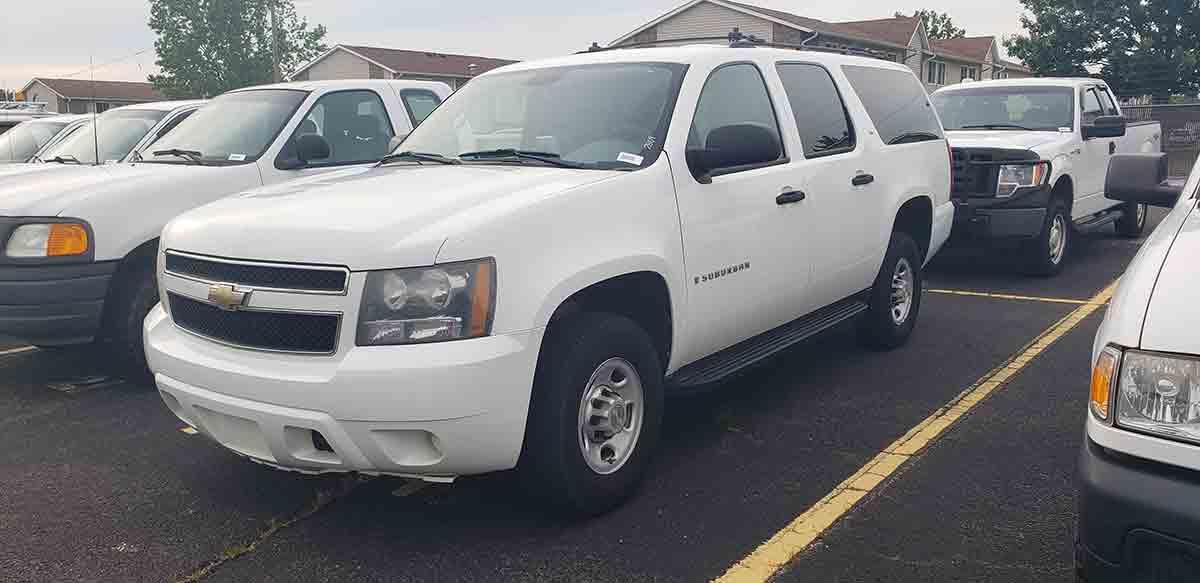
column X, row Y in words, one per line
column 896, row 103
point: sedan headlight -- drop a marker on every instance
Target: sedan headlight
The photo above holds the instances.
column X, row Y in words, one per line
column 427, row 304
column 47, row 240
column 1159, row 394
column 1014, row 176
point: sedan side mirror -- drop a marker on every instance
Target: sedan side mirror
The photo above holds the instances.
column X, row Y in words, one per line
column 732, row 148
column 1105, row 126
column 1141, row 178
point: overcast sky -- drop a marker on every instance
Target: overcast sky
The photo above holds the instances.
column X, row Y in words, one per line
column 59, row 42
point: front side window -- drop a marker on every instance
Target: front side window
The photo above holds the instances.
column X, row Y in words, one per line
column 24, row 140
column 1090, row 107
column 354, row 124
column 735, row 121
column 419, row 103
column 821, row 117
column 612, row 115
column 233, row 128
column 1005, row 108
column 1106, row 102
column 896, row 104
column 119, row 131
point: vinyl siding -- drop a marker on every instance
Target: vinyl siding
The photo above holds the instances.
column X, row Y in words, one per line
column 706, row 19
column 916, row 55
column 339, row 65
column 39, row 92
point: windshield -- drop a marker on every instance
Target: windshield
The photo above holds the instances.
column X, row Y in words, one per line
column 596, row 116
column 23, row 141
column 1034, row 108
column 232, row 128
column 120, row 130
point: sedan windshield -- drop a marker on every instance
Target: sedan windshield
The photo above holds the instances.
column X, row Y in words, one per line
column 120, row 130
column 233, row 128
column 23, row 141
column 1006, row 108
column 587, row 116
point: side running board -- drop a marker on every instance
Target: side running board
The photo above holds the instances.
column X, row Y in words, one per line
column 716, row 367
column 1098, row 220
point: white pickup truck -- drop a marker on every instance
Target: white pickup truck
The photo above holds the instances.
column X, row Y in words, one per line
column 78, row 248
column 550, row 250
column 1030, row 158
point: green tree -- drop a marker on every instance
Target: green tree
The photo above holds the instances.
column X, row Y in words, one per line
column 206, row 47
column 938, row 25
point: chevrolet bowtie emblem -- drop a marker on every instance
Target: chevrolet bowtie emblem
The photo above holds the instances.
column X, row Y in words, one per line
column 227, row 297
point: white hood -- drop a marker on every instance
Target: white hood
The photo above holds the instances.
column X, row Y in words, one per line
column 1173, row 316
column 366, row 218
column 62, row 192
column 1036, row 141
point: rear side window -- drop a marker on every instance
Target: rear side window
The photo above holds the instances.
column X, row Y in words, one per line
column 419, row 103
column 821, row 117
column 896, row 102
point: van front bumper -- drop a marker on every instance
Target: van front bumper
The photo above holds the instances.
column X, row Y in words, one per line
column 51, row 305
column 433, row 411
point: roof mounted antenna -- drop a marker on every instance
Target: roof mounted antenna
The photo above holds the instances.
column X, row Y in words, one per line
column 595, row 47
column 739, row 39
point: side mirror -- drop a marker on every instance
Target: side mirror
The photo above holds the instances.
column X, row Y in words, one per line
column 395, row 142
column 311, row 147
column 732, row 147
column 1105, row 126
column 1141, row 178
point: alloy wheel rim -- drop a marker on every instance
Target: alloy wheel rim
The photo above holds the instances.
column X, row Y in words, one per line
column 902, row 291
column 1057, row 239
column 610, row 416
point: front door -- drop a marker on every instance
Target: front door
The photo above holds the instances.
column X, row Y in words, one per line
column 746, row 271
column 1089, row 185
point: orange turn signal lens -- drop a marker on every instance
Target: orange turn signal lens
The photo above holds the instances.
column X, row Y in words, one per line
column 1103, row 376
column 481, row 300
column 66, row 239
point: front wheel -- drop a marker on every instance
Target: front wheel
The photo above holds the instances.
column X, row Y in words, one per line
column 1046, row 253
column 1132, row 221
column 596, row 413
column 125, row 310
column 895, row 296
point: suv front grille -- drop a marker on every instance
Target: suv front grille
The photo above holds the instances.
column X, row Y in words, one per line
column 259, row 275
column 260, row 330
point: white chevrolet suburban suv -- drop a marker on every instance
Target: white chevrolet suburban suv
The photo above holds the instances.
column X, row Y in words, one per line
column 558, row 244
column 1030, row 157
column 77, row 247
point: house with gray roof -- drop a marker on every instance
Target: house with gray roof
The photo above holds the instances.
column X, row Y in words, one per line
column 363, row 62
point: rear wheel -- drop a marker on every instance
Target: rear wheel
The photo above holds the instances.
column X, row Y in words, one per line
column 1046, row 253
column 895, row 297
column 596, row 413
column 1132, row 221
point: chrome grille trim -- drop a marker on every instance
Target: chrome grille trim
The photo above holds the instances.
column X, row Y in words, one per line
column 283, row 267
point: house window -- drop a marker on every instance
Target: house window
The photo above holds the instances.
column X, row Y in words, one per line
column 101, row 107
column 936, row 73
column 966, row 72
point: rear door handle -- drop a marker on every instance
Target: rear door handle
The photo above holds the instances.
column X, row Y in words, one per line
column 1112, row 147
column 789, row 197
column 862, row 180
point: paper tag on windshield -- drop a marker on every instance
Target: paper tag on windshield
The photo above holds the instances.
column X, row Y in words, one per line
column 1064, row 130
column 237, row 157
column 628, row 158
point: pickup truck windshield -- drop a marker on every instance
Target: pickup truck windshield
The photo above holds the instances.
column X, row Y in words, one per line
column 22, row 142
column 120, row 130
column 1006, row 108
column 233, row 128
column 588, row 116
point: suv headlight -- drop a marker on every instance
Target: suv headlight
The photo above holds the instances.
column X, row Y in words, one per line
column 427, row 304
column 1014, row 176
column 1157, row 393
column 47, row 240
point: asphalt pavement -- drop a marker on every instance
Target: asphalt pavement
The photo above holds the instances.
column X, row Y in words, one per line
column 99, row 483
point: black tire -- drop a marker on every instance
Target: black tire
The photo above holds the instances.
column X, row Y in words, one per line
column 552, row 464
column 132, row 297
column 1131, row 223
column 879, row 327
column 1038, row 257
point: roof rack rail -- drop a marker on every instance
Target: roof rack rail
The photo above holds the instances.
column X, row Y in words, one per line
column 738, row 39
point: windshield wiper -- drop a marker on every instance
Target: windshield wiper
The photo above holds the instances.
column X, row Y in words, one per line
column 64, row 159
column 511, row 154
column 193, row 155
column 909, row 137
column 995, row 126
column 418, row 157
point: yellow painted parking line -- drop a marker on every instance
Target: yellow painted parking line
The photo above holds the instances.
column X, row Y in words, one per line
column 997, row 296
column 20, row 350
column 794, row 538
column 188, row 430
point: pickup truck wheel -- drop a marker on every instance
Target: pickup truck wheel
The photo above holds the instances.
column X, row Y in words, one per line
column 895, row 297
column 1046, row 254
column 596, row 413
column 1132, row 221
column 128, row 304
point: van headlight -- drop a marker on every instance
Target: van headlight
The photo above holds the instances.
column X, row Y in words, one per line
column 427, row 304
column 1014, row 176
column 1159, row 394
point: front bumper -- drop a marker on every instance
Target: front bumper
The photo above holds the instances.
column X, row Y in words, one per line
column 1138, row 520
column 53, row 304
column 1021, row 216
column 433, row 410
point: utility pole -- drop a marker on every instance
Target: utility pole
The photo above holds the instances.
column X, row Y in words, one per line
column 275, row 74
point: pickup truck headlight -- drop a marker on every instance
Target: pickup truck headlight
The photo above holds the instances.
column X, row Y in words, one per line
column 427, row 304
column 1014, row 176
column 47, row 240
column 1158, row 394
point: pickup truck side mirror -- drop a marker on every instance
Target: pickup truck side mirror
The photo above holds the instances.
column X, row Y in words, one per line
column 1141, row 178
column 732, row 148
column 307, row 147
column 1105, row 126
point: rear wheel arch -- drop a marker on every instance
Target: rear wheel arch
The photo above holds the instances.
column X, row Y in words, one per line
column 915, row 218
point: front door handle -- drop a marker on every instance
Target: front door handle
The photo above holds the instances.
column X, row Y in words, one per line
column 1112, row 147
column 862, row 180
column 789, row 197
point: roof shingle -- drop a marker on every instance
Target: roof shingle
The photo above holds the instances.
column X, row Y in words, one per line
column 114, row 90
column 428, row 63
column 975, row 48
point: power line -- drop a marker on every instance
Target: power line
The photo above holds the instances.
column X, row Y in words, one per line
column 107, row 63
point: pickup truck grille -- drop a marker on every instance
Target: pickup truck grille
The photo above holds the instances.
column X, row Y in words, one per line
column 300, row 278
column 260, row 330
column 971, row 180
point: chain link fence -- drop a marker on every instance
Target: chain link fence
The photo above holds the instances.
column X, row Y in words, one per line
column 1180, row 131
